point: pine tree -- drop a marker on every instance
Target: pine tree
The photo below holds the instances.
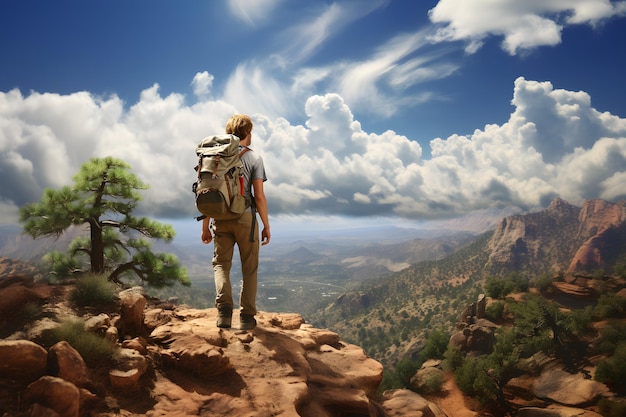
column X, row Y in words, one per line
column 104, row 196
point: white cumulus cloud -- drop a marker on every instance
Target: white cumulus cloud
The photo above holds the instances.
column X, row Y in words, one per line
column 554, row 143
column 523, row 25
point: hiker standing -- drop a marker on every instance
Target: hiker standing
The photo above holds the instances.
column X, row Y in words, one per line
column 242, row 231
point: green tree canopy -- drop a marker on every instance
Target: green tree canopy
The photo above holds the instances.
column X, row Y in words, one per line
column 103, row 197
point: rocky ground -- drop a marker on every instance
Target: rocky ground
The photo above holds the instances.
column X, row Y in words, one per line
column 171, row 360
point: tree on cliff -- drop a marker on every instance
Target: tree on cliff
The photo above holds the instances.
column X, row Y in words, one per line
column 104, row 195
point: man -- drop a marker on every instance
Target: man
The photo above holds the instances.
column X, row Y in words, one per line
column 227, row 233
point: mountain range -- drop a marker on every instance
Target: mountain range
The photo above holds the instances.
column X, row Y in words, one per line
column 563, row 242
column 581, row 250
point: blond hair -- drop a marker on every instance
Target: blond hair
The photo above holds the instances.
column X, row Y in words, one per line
column 239, row 125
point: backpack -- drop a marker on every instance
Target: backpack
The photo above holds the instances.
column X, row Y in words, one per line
column 219, row 189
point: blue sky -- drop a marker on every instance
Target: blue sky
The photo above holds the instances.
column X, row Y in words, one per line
column 391, row 109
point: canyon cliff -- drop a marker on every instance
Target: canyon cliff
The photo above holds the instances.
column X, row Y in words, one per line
column 561, row 238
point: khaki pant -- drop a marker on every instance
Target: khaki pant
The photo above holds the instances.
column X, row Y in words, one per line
column 227, row 233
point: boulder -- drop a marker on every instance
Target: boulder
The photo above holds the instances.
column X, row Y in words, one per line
column 129, row 367
column 405, row 403
column 132, row 305
column 98, row 324
column 427, row 380
column 55, row 393
column 568, row 389
column 13, row 298
column 478, row 337
column 65, row 362
column 22, row 361
column 555, row 411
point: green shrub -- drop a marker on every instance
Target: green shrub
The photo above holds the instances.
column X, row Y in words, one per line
column 405, row 369
column 611, row 336
column 579, row 321
column 390, row 381
column 433, row 384
column 454, row 358
column 495, row 311
column 95, row 350
column 501, row 287
column 610, row 305
column 435, row 346
column 94, row 290
column 543, row 282
column 610, row 408
column 612, row 371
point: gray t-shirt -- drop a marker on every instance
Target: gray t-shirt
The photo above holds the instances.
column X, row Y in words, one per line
column 253, row 169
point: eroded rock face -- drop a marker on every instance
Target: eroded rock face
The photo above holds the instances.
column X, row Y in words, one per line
column 562, row 237
column 282, row 365
column 568, row 389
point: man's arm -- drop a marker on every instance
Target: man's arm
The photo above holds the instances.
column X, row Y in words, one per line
column 261, row 207
column 207, row 237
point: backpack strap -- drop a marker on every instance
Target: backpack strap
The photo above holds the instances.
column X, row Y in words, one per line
column 252, row 206
column 217, row 164
column 253, row 227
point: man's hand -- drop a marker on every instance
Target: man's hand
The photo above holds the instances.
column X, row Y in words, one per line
column 207, row 237
column 265, row 236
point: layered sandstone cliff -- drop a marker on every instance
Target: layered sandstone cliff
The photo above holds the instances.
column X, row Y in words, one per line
column 562, row 237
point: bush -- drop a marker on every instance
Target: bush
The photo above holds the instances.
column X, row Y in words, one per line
column 405, row 369
column 435, row 346
column 543, row 282
column 610, row 305
column 94, row 290
column 390, row 381
column 611, row 336
column 433, row 383
column 580, row 320
column 95, row 350
column 454, row 358
column 612, row 409
column 501, row 287
column 612, row 371
column 495, row 311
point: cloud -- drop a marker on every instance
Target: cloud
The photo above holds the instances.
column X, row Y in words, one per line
column 253, row 12
column 304, row 38
column 382, row 84
column 554, row 143
column 202, row 83
column 523, row 25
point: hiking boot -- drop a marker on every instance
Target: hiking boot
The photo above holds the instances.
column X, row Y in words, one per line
column 247, row 322
column 224, row 317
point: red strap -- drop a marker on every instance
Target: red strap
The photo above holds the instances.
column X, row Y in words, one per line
column 217, row 162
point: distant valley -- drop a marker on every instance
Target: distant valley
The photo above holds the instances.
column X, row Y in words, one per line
column 299, row 271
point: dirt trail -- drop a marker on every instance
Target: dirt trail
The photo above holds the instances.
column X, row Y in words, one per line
column 453, row 403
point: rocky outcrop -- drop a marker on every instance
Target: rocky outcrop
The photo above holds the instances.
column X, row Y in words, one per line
column 474, row 333
column 603, row 228
column 285, row 363
column 569, row 389
column 562, row 237
column 522, row 241
column 174, row 361
column 14, row 267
